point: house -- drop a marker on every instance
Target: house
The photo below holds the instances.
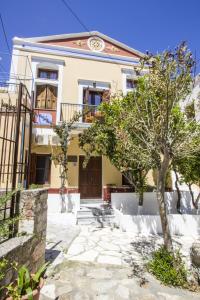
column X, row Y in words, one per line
column 67, row 72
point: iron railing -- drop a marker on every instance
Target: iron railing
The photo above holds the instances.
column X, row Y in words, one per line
column 15, row 142
column 88, row 112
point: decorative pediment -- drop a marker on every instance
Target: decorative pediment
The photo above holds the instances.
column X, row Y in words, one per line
column 93, row 42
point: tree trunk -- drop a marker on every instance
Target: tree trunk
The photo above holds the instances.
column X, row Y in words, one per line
column 140, row 203
column 194, row 202
column 141, row 198
column 178, row 204
column 162, row 171
column 62, row 191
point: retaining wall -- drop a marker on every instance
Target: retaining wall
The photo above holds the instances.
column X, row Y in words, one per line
column 28, row 249
column 128, row 203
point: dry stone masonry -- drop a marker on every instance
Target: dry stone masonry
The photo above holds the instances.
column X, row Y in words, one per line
column 29, row 248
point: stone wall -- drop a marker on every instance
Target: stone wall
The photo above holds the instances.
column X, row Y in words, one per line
column 28, row 249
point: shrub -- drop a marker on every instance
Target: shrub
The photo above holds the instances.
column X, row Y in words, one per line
column 169, row 268
column 34, row 186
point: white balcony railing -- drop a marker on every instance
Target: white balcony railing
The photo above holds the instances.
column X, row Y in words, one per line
column 88, row 112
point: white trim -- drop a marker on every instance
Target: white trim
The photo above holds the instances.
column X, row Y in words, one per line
column 54, row 64
column 14, row 66
column 89, row 83
column 85, row 54
column 60, row 88
column 127, row 73
column 48, row 60
column 130, row 74
column 76, row 35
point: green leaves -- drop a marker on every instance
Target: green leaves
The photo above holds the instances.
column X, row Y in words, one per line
column 168, row 267
column 36, row 277
column 23, row 281
column 26, row 283
column 29, row 293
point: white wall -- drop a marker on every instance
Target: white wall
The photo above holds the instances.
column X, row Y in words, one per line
column 187, row 225
column 72, row 203
column 127, row 203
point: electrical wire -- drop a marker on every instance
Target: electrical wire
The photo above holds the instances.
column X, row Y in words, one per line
column 7, row 44
column 4, row 32
column 75, row 15
column 82, row 24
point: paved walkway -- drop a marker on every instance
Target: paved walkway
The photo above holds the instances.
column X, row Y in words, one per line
column 87, row 281
column 106, row 246
column 106, row 264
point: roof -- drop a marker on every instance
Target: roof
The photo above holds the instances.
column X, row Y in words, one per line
column 42, row 39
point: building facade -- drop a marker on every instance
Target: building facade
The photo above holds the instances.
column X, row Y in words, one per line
column 68, row 72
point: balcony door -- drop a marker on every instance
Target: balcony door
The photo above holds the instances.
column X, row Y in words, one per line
column 90, row 178
column 92, row 96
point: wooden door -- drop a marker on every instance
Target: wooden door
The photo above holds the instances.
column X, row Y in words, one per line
column 90, row 178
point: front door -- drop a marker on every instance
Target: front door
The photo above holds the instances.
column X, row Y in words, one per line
column 90, row 178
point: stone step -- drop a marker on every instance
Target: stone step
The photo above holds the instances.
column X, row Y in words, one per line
column 95, row 210
column 90, row 218
column 92, row 202
column 89, row 221
column 95, row 217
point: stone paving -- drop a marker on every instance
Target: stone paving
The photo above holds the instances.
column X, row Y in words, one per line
column 61, row 231
column 107, row 264
column 112, row 246
column 88, row 281
column 104, row 246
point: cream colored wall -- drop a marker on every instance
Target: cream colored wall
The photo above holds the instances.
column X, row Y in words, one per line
column 109, row 173
column 76, row 69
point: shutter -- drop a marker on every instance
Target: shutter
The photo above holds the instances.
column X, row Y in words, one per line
column 51, row 97
column 106, row 96
column 86, row 96
column 40, row 96
column 32, row 168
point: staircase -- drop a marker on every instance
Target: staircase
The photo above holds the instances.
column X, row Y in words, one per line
column 95, row 213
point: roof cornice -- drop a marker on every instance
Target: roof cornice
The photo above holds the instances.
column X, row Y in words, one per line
column 78, row 35
column 72, row 52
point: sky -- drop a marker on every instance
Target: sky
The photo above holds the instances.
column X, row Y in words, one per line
column 152, row 25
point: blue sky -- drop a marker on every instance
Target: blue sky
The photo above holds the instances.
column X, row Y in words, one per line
column 152, row 25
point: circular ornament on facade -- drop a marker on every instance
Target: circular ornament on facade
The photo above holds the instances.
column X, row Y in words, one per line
column 96, row 44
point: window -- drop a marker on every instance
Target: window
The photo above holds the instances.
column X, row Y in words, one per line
column 46, row 96
column 94, row 98
column 48, row 74
column 42, row 174
column 130, row 83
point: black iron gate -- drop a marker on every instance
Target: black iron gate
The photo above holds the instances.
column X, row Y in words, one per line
column 15, row 145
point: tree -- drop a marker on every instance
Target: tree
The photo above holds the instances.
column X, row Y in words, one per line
column 189, row 170
column 150, row 124
column 157, row 119
column 107, row 137
column 63, row 132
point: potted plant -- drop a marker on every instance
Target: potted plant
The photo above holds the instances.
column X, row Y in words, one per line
column 27, row 286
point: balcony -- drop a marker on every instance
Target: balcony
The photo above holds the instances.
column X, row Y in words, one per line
column 89, row 112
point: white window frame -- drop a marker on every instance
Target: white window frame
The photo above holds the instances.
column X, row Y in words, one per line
column 128, row 74
column 53, row 64
column 90, row 83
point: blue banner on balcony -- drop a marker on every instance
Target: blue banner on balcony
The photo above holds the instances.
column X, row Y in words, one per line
column 44, row 119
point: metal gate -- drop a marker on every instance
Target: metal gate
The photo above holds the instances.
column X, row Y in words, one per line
column 16, row 115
